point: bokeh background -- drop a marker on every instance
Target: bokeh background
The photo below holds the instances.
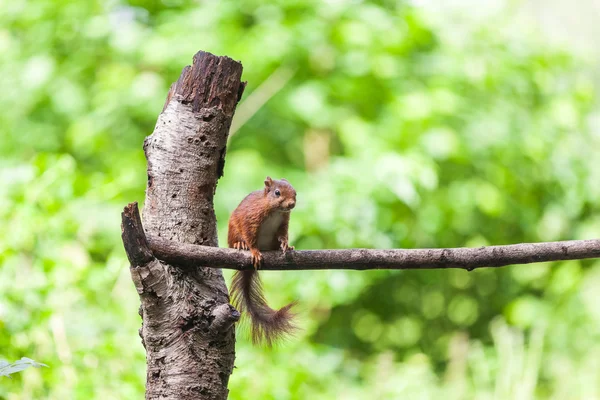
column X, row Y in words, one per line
column 401, row 124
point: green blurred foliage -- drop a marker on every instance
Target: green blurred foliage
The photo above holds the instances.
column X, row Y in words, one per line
column 6, row 368
column 399, row 128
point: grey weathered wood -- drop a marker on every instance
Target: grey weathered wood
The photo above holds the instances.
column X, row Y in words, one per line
column 187, row 327
column 187, row 255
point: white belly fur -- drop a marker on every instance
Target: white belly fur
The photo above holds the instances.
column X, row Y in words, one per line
column 268, row 229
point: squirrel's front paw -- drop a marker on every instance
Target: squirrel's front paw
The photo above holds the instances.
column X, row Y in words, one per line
column 256, row 258
column 285, row 246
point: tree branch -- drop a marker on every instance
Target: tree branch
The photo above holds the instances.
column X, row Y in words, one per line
column 134, row 239
column 189, row 255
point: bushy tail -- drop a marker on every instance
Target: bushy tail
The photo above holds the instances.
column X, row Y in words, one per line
column 268, row 325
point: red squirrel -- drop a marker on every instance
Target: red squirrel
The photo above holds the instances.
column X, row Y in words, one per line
column 261, row 222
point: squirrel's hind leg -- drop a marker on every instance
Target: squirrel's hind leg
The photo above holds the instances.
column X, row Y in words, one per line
column 241, row 245
column 256, row 258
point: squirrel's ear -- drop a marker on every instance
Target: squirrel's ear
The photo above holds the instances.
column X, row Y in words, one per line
column 268, row 182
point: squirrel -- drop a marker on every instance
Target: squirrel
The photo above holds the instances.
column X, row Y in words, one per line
column 260, row 222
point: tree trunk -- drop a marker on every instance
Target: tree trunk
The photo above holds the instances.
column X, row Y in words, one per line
column 187, row 327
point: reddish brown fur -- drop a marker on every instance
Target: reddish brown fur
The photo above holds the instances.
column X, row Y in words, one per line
column 262, row 209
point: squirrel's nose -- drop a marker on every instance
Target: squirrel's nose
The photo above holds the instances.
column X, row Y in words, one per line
column 292, row 204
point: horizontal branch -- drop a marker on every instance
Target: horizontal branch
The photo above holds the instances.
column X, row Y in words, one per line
column 191, row 256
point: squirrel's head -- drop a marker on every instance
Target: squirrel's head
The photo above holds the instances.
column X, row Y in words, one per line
column 280, row 194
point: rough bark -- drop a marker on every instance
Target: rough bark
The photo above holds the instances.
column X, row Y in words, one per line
column 187, row 327
column 186, row 255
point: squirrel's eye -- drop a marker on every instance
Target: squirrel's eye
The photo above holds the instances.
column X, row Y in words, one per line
column 277, row 192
